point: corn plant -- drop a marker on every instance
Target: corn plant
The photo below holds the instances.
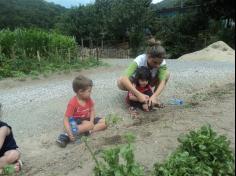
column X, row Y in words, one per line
column 23, row 51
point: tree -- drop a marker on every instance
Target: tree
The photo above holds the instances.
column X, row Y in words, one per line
column 218, row 9
column 117, row 20
column 129, row 20
column 80, row 22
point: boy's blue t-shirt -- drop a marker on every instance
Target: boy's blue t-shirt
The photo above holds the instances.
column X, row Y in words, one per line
column 9, row 142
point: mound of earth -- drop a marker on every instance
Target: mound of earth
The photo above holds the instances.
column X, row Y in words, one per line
column 218, row 51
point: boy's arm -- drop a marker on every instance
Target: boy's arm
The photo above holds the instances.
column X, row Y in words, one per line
column 92, row 116
column 67, row 128
column 69, row 113
column 4, row 132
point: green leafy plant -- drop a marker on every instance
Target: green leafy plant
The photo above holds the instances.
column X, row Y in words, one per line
column 118, row 161
column 181, row 163
column 112, row 119
column 9, row 170
column 210, row 149
column 200, row 153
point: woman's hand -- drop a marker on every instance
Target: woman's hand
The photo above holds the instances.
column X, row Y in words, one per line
column 152, row 101
column 142, row 98
column 145, row 107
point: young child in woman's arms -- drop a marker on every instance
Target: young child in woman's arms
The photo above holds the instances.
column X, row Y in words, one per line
column 141, row 81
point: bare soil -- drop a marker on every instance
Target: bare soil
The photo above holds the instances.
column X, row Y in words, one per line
column 37, row 124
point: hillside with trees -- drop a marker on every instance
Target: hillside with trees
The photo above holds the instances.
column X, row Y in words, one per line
column 168, row 4
column 107, row 23
column 29, row 13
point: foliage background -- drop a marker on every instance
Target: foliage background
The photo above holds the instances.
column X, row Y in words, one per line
column 30, row 27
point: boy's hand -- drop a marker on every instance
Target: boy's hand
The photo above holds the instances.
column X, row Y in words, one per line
column 72, row 138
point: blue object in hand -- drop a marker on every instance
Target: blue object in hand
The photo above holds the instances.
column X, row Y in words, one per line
column 73, row 126
column 176, row 101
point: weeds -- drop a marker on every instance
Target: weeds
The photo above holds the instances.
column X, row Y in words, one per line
column 112, row 119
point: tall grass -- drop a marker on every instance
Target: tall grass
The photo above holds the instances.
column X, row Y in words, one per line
column 23, row 51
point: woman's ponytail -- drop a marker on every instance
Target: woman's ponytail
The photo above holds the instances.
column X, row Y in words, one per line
column 155, row 50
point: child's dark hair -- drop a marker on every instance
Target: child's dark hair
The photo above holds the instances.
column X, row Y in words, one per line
column 142, row 73
column 155, row 50
column 81, row 83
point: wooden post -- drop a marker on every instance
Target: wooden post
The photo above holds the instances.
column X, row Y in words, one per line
column 69, row 55
column 39, row 59
column 82, row 42
column 102, row 44
column 97, row 54
column 13, row 53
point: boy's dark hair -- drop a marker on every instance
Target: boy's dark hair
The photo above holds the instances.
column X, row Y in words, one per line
column 155, row 50
column 142, row 73
column 81, row 83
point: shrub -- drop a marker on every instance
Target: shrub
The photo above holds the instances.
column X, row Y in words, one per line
column 201, row 152
column 118, row 161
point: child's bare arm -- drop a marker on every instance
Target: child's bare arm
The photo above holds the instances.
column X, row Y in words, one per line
column 92, row 116
column 67, row 128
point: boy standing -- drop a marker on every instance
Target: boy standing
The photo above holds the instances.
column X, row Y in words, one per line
column 81, row 108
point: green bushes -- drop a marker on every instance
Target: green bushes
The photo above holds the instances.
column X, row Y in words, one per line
column 200, row 153
column 25, row 50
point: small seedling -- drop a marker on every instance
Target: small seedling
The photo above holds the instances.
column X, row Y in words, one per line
column 112, row 119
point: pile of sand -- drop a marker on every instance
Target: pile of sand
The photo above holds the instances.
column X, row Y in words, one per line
column 218, row 51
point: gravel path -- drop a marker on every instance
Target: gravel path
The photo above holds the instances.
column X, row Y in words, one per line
column 45, row 102
column 35, row 110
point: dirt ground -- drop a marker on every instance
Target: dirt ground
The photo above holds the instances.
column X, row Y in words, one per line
column 156, row 132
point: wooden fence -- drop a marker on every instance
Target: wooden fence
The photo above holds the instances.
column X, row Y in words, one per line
column 104, row 53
